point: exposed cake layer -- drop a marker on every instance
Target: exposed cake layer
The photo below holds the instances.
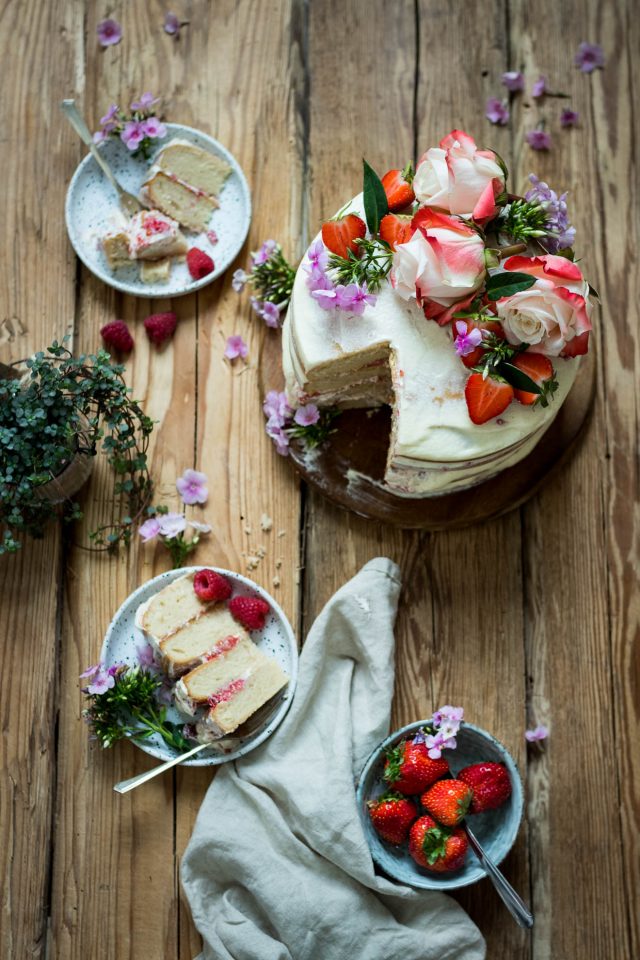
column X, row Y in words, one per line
column 240, row 699
column 198, row 640
column 170, row 609
column 233, row 658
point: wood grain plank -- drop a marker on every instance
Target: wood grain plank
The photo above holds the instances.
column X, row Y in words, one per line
column 572, row 547
column 36, row 305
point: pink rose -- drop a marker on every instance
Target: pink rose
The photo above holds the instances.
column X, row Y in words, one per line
column 553, row 314
column 442, row 266
column 459, row 178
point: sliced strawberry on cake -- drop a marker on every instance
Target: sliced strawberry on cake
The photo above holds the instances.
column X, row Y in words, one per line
column 340, row 235
column 397, row 186
column 395, row 229
column 540, row 369
column 487, row 397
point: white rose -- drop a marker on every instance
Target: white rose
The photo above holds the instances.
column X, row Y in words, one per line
column 459, row 178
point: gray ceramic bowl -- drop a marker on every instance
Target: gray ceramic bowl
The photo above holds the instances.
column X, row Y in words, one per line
column 496, row 829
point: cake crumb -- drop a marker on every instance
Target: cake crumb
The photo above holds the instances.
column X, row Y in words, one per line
column 266, row 523
column 252, row 562
column 261, row 552
column 282, row 533
column 276, row 581
column 278, row 563
column 247, row 531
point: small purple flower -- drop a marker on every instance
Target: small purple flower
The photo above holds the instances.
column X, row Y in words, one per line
column 236, row 347
column 317, row 279
column 200, row 527
column 467, row 340
column 279, row 437
column 539, row 140
column 569, row 118
column 269, row 312
column 513, row 80
column 354, row 299
column 325, row 298
column 172, row 25
column 307, row 415
column 238, row 280
column 276, row 407
column 448, row 714
column 561, row 233
column 132, row 134
column 192, row 487
column 100, row 679
column 146, row 658
column 265, row 252
column 434, row 745
column 497, row 111
column 154, row 128
column 109, row 33
column 100, row 136
column 589, row 57
column 150, row 529
column 538, row 733
column 90, row 671
column 172, row 524
column 420, row 737
column 110, row 115
column 318, row 256
column 539, row 88
column 146, row 103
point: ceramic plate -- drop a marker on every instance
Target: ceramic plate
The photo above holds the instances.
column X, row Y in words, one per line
column 91, row 206
column 277, row 640
column 495, row 829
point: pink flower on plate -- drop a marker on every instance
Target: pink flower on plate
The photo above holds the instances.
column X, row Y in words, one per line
column 150, row 529
column 466, row 340
column 109, row 32
column 552, row 316
column 172, row 25
column 307, row 415
column 539, row 140
column 497, row 111
column 172, row 524
column 538, row 733
column 513, row 80
column 132, row 134
column 589, row 57
column 192, row 487
column 154, row 128
column 458, row 178
column 442, row 266
column 236, row 347
column 539, row 88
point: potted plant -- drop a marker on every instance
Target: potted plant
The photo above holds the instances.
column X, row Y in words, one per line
column 53, row 419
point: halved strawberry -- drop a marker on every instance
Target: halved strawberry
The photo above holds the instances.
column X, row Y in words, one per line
column 340, row 234
column 540, row 369
column 395, row 229
column 397, row 186
column 486, row 397
column 491, row 326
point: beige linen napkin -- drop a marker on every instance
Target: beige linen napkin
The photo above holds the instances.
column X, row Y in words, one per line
column 278, row 867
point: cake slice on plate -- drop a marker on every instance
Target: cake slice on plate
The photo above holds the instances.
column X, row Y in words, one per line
column 170, row 609
column 199, row 640
column 237, row 699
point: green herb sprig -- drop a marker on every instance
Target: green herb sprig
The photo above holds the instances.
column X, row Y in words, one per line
column 273, row 279
column 371, row 267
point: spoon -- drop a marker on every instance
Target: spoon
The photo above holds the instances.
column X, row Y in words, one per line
column 129, row 204
column 512, row 901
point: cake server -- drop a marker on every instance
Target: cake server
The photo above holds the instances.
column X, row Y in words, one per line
column 129, row 204
column 512, row 901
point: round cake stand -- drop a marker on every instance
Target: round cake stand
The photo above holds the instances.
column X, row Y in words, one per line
column 348, row 468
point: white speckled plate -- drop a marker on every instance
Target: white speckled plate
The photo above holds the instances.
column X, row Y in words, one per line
column 92, row 206
column 277, row 640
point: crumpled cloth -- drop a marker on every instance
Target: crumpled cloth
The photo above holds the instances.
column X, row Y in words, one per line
column 278, row 867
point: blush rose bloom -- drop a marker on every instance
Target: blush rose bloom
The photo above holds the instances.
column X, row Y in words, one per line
column 458, row 178
column 442, row 265
column 552, row 315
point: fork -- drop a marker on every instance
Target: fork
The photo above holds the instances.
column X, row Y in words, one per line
column 512, row 900
column 129, row 204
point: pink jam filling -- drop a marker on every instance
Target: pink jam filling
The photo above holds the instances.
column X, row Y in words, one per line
column 226, row 693
column 154, row 225
column 221, row 648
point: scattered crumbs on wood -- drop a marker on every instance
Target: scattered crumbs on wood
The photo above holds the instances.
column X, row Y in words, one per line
column 278, row 563
column 252, row 562
column 276, row 581
column 247, row 531
column 266, row 523
column 282, row 533
column 261, row 552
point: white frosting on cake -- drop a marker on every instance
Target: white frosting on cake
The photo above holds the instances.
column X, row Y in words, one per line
column 435, row 447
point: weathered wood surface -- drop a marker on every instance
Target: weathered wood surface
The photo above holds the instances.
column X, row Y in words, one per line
column 531, row 618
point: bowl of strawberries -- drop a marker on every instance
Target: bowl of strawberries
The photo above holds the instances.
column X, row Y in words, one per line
column 422, row 784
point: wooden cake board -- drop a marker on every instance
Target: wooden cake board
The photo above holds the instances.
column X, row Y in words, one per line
column 348, row 468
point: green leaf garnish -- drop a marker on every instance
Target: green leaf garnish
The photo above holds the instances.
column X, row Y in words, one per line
column 507, row 283
column 376, row 205
column 517, row 378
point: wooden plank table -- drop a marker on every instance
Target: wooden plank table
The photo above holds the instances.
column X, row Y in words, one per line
column 532, row 618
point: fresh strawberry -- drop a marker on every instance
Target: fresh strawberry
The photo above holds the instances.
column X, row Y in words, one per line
column 199, row 263
column 435, row 847
column 210, row 585
column 251, row 612
column 340, row 234
column 486, row 397
column 116, row 336
column 409, row 768
column 490, row 784
column 391, row 816
column 395, row 229
column 490, row 326
column 160, row 326
column 447, row 801
column 540, row 369
column 397, row 186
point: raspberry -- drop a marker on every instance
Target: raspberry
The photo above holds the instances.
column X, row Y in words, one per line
column 160, row 326
column 116, row 335
column 210, row 585
column 199, row 263
column 251, row 612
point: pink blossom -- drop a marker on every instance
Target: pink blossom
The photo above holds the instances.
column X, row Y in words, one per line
column 146, row 102
column 154, row 128
column 513, row 80
column 467, row 340
column 150, row 529
column 146, row 658
column 269, row 312
column 434, row 745
column 172, row 524
column 132, row 134
column 192, row 487
column 307, row 415
column 354, row 299
column 200, row 527
column 589, row 57
column 100, row 678
column 110, row 115
column 497, row 111
column 317, row 278
column 238, row 280
column 539, row 88
column 265, row 252
column 318, row 256
column 569, row 118
column 276, row 407
column 172, row 25
column 236, row 347
column 326, row 298
column 109, row 33
column 539, row 140
column 279, row 437
column 100, row 136
column 538, row 733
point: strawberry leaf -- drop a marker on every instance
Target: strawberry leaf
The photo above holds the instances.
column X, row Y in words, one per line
column 507, row 283
column 517, row 378
column 376, row 205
